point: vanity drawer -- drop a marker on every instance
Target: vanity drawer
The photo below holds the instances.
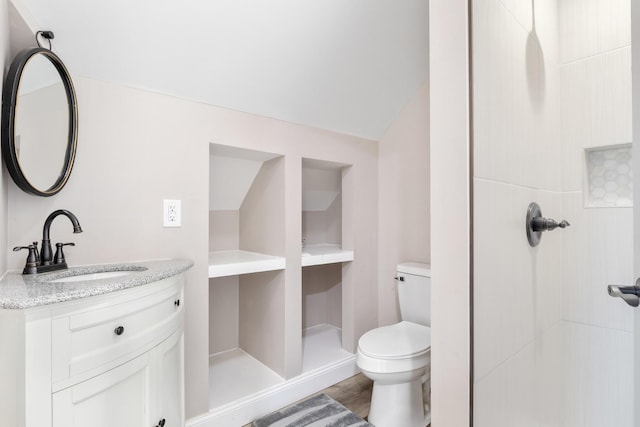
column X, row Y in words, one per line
column 87, row 342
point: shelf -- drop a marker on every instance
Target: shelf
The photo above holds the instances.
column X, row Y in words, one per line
column 230, row 263
column 321, row 346
column 233, row 402
column 324, row 254
column 234, row 374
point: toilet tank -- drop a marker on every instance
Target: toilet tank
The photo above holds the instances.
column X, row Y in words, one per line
column 414, row 292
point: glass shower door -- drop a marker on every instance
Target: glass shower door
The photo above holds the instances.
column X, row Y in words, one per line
column 552, row 108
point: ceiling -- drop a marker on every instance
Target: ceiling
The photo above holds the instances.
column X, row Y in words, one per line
column 344, row 65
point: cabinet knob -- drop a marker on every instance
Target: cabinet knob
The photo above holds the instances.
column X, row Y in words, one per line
column 119, row 330
column 177, row 303
column 161, row 423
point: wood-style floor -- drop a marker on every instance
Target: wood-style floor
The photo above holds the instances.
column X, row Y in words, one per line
column 353, row 393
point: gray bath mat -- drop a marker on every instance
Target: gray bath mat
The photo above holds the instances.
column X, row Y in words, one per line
column 317, row 411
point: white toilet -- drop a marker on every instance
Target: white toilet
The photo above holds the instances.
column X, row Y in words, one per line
column 397, row 357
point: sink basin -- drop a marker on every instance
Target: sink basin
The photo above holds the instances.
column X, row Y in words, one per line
column 87, row 275
column 92, row 276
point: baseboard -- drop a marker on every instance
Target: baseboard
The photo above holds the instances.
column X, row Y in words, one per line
column 247, row 409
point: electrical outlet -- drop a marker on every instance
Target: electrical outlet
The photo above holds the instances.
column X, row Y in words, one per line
column 171, row 213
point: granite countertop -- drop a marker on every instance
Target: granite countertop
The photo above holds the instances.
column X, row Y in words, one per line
column 19, row 291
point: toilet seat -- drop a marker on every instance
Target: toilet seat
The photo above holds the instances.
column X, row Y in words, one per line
column 401, row 340
column 401, row 347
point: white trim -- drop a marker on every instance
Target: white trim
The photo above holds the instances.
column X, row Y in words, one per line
column 234, row 262
column 451, row 220
column 245, row 410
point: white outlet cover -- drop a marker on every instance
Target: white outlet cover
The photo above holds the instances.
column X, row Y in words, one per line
column 171, row 213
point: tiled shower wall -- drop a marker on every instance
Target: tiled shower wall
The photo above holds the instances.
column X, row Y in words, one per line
column 595, row 73
column 551, row 77
column 517, row 289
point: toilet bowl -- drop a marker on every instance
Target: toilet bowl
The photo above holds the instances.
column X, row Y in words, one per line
column 397, row 357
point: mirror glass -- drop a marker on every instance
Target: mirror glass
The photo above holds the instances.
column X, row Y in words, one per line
column 41, row 123
column 39, row 138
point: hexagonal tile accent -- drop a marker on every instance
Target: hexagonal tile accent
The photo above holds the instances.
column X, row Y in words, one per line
column 609, row 174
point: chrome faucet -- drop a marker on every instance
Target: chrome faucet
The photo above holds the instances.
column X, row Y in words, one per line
column 45, row 261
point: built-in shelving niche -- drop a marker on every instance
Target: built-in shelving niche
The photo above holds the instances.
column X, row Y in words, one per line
column 326, row 259
column 246, row 273
column 252, row 364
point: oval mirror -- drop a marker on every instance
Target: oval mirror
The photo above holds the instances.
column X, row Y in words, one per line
column 39, row 122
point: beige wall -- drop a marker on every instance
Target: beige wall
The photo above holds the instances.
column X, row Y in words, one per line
column 262, row 214
column 4, row 176
column 450, row 213
column 262, row 319
column 224, row 230
column 136, row 148
column 322, row 295
column 224, row 309
column 404, row 205
column 263, row 325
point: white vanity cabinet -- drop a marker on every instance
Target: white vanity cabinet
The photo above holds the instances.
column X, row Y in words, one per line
column 120, row 396
column 141, row 392
column 108, row 360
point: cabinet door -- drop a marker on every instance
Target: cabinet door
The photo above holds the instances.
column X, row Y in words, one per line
column 169, row 371
column 119, row 397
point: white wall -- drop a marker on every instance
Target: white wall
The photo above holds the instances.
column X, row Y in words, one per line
column 596, row 81
column 450, row 213
column 347, row 67
column 517, row 160
column 635, row 55
column 547, row 85
column 404, row 198
column 595, row 67
column 516, row 126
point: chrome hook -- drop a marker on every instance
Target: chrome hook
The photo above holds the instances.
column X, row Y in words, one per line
column 536, row 224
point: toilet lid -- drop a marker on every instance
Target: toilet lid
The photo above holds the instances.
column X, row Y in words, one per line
column 402, row 340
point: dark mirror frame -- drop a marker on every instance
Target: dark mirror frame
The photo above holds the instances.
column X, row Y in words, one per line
column 9, row 99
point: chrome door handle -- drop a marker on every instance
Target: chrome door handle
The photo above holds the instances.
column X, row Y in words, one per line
column 630, row 294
